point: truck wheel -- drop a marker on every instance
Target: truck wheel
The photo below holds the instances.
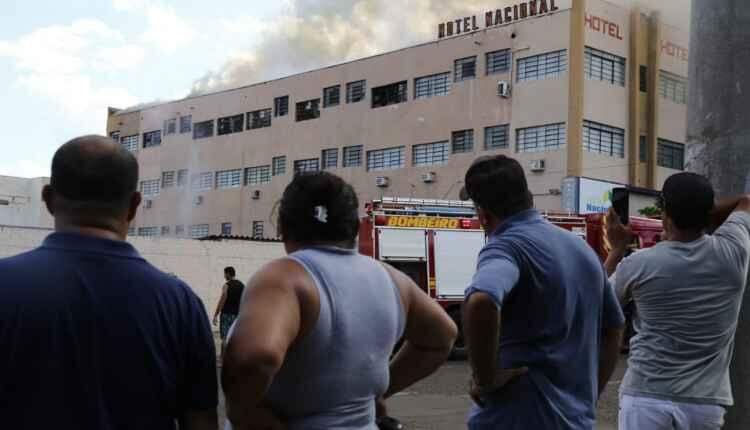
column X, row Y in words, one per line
column 459, row 348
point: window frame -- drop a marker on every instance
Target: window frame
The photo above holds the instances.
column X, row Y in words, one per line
column 186, row 124
column 130, row 143
column 230, row 124
column 351, row 87
column 392, row 94
column 303, row 165
column 438, row 84
column 346, row 160
column 301, row 114
column 224, row 231
column 492, row 64
column 148, row 137
column 465, row 140
column 673, row 87
column 558, row 138
column 281, row 106
column 168, row 179
column 170, row 126
column 260, row 118
column 673, row 147
column 278, row 165
column 505, row 128
column 597, row 64
column 183, row 177
column 199, row 181
column 228, row 179
column 332, row 96
column 258, row 175
column 209, row 132
column 150, row 183
column 596, row 136
column 195, row 228
column 257, row 230
column 463, row 63
column 547, row 65
column 326, row 158
column 430, row 154
column 387, row 159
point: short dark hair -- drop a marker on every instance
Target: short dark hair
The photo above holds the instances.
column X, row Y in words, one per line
column 94, row 173
column 229, row 270
column 498, row 184
column 319, row 207
column 688, row 199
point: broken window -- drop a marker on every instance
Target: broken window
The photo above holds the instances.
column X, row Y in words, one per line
column 389, row 94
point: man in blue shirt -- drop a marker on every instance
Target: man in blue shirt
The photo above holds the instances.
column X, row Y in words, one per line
column 91, row 335
column 541, row 321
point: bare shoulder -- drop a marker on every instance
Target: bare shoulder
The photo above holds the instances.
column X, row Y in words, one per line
column 282, row 273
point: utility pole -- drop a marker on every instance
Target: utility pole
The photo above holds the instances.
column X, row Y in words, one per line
column 719, row 137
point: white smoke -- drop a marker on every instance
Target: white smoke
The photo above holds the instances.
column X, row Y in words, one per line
column 317, row 33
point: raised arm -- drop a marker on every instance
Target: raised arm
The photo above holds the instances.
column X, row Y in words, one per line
column 725, row 207
column 429, row 335
column 275, row 310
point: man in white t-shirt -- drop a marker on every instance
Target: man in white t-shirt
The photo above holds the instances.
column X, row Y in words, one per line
column 687, row 291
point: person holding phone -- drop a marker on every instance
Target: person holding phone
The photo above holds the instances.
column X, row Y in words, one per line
column 687, row 290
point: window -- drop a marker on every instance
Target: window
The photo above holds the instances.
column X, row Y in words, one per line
column 203, row 181
column 151, row 138
column 278, row 165
column 230, row 124
column 433, row 85
column 307, row 110
column 542, row 66
column 643, row 149
column 331, row 96
column 170, row 126
column 384, row 159
column 430, row 154
column 603, row 66
column 258, row 175
column 671, row 154
column 389, row 94
column 226, row 229
column 259, row 119
column 148, row 231
column 281, row 106
column 165, row 230
column 257, row 229
column 498, row 61
column 673, row 87
column 462, row 141
column 355, row 91
column 198, row 231
column 330, row 158
column 541, row 138
column 229, row 178
column 465, row 68
column 309, row 165
column 179, row 230
column 352, row 156
column 182, row 176
column 603, row 139
column 131, row 231
column 115, row 135
column 643, row 78
column 496, row 137
column 186, row 124
column 150, row 188
column 167, row 179
column 202, row 130
column 130, row 143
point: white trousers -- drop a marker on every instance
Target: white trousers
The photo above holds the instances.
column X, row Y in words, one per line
column 643, row 413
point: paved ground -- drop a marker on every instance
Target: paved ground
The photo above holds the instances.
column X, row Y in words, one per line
column 440, row 402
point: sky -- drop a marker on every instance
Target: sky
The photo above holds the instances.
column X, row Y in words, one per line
column 62, row 63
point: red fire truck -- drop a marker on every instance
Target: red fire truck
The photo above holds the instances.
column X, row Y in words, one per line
column 436, row 242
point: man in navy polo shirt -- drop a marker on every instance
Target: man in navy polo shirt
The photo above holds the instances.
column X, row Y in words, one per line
column 541, row 321
column 91, row 335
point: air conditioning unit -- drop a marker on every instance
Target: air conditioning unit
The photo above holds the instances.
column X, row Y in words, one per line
column 503, row 89
column 148, row 204
column 198, row 200
column 256, row 194
column 382, row 181
column 538, row 166
column 428, row 177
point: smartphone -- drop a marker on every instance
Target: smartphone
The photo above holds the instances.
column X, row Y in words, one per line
column 621, row 204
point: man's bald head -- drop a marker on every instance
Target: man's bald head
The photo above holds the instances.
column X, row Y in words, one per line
column 94, row 173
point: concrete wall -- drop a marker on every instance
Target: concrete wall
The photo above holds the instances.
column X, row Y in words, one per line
column 199, row 263
column 21, row 202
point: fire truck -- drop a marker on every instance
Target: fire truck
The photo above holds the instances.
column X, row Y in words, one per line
column 437, row 242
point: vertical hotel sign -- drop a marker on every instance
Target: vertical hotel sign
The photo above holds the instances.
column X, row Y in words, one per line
column 497, row 17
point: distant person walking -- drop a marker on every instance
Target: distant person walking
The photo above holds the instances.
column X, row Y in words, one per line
column 310, row 349
column 91, row 335
column 542, row 322
column 229, row 303
column 687, row 292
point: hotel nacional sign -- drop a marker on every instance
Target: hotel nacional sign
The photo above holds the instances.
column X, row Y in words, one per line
column 497, row 17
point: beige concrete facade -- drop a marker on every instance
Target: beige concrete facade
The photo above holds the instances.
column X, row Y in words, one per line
column 21, row 202
column 470, row 104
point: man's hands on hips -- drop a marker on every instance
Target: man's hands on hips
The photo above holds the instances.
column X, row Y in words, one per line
column 503, row 377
